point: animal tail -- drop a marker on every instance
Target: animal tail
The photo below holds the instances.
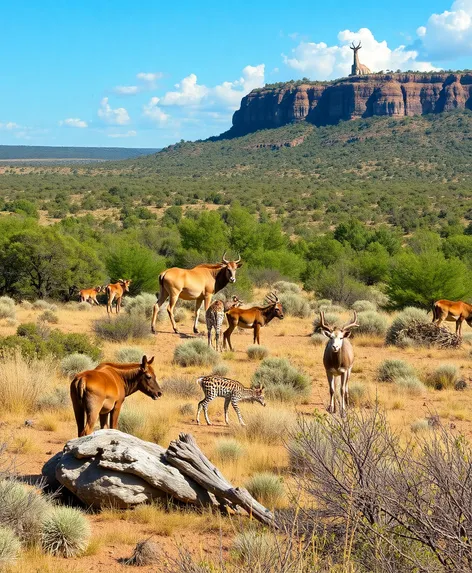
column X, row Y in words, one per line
column 80, row 386
column 161, row 282
column 200, row 380
column 433, row 309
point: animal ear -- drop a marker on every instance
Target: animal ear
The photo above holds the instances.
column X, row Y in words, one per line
column 151, row 360
column 144, row 362
column 346, row 334
column 240, row 265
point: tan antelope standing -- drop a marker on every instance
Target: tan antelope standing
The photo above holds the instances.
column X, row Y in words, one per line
column 90, row 295
column 255, row 318
column 115, row 293
column 452, row 312
column 198, row 284
column 214, row 318
column 358, row 69
column 338, row 359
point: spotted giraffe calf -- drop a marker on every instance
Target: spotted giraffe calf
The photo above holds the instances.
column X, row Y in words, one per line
column 215, row 316
column 231, row 390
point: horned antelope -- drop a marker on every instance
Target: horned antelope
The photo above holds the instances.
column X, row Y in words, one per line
column 215, row 316
column 358, row 69
column 198, row 284
column 338, row 359
column 255, row 318
column 101, row 392
column 231, row 390
column 90, row 295
column 115, row 292
column 452, row 312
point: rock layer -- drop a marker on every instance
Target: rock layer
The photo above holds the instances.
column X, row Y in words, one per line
column 393, row 95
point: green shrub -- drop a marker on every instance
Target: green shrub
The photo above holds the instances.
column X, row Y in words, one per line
column 61, row 344
column 57, row 399
column 10, row 547
column 131, row 421
column 44, row 305
column 141, row 304
column 281, row 380
column 391, row 369
column 408, row 317
column 29, row 350
column 444, row 377
column 257, row 550
column 285, row 286
column 49, row 316
column 26, row 305
column 122, row 327
column 371, row 323
column 229, row 450
column 295, row 305
column 7, row 307
column 318, row 339
column 66, row 532
column 363, row 306
column 266, row 487
column 220, row 369
column 75, row 363
column 195, row 353
column 410, row 384
column 330, row 318
column 321, row 304
column 257, row 352
column 181, row 386
column 83, row 306
column 129, row 354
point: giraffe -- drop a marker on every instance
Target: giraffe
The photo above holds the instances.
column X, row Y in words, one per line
column 358, row 69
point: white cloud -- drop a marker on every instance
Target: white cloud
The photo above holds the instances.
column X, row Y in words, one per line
column 319, row 61
column 9, row 125
column 118, row 116
column 126, row 90
column 74, row 122
column 149, row 77
column 130, row 133
column 153, row 112
column 189, row 92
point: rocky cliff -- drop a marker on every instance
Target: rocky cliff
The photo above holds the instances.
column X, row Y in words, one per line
column 350, row 98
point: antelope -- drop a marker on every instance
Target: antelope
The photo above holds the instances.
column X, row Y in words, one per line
column 115, row 292
column 90, row 295
column 255, row 318
column 452, row 312
column 338, row 359
column 198, row 284
column 215, row 316
column 231, row 390
column 357, row 68
column 101, row 392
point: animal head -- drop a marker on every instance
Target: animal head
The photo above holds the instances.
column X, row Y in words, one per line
column 337, row 335
column 148, row 383
column 236, row 302
column 273, row 299
column 258, row 395
column 354, row 47
column 231, row 267
column 125, row 284
column 98, row 288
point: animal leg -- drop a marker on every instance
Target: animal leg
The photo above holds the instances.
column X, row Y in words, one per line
column 104, row 421
column 163, row 295
column 459, row 322
column 204, row 404
column 114, row 415
column 170, row 311
column 198, row 305
column 227, row 336
column 79, row 413
column 209, row 327
column 92, row 411
column 234, row 403
column 332, row 388
column 227, row 401
column 118, row 304
column 111, row 297
column 344, row 391
column 257, row 330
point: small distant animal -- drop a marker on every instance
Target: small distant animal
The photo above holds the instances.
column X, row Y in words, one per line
column 115, row 293
column 231, row 390
column 338, row 359
column 215, row 316
column 452, row 312
column 100, row 393
column 90, row 295
column 255, row 318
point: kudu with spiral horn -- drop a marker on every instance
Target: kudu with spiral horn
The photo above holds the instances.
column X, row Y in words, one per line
column 338, row 359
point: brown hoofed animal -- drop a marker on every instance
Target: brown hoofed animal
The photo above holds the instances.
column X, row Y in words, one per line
column 214, row 318
column 338, row 359
column 198, row 284
column 255, row 318
column 453, row 312
column 101, row 392
column 115, row 293
column 90, row 295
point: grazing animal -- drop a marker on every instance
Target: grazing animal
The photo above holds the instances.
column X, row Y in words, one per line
column 338, row 359
column 215, row 316
column 453, row 312
column 231, row 390
column 255, row 318
column 90, row 295
column 101, row 392
column 198, row 284
column 115, row 292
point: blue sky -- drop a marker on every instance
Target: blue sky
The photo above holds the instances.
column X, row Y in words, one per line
column 147, row 74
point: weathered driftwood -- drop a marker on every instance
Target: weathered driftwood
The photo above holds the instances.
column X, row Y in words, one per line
column 430, row 334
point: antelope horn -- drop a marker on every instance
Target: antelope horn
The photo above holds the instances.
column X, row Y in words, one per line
column 239, row 258
column 323, row 324
column 351, row 324
column 223, row 258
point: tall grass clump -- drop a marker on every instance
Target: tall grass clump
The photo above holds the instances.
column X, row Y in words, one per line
column 444, row 377
column 409, row 384
column 44, row 305
column 331, row 318
column 141, row 304
column 220, row 369
column 283, row 287
column 10, row 547
column 195, row 353
column 281, row 380
column 363, row 306
column 75, row 363
column 357, row 393
column 132, row 421
column 66, row 532
column 253, row 548
column 391, row 369
column 266, row 487
column 371, row 323
column 407, row 317
column 83, row 306
column 49, row 316
column 267, row 427
column 7, row 307
column 57, row 399
column 128, row 354
column 295, row 305
column 318, row 339
column 257, row 352
column 181, row 386
column 122, row 327
column 229, row 450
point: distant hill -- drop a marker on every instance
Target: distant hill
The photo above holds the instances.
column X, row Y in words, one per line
column 25, row 153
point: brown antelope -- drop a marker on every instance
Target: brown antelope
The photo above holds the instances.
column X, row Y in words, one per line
column 115, row 292
column 90, row 295
column 452, row 312
column 338, row 359
column 214, row 318
column 255, row 318
column 198, row 284
column 101, row 392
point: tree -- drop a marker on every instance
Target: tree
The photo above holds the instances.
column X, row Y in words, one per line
column 207, row 234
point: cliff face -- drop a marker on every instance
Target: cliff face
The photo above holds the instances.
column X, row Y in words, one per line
column 393, row 95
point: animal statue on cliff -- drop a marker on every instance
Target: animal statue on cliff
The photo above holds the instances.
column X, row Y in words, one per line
column 358, row 69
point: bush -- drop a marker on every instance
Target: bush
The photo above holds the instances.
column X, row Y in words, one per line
column 330, row 318
column 266, row 487
column 75, row 363
column 257, row 352
column 129, row 354
column 420, row 425
column 131, row 421
column 186, row 409
column 409, row 316
column 181, row 386
column 281, row 380
column 371, row 323
column 61, row 344
column 10, row 547
column 295, row 305
column 66, row 532
column 83, row 306
column 195, row 353
column 410, row 384
column 444, row 377
column 141, row 304
column 44, row 305
column 318, row 339
column 363, row 306
column 268, row 427
column 55, row 400
column 121, row 328
column 26, row 305
column 391, row 369
column 254, row 548
column 145, row 553
column 220, row 369
column 49, row 316
column 285, row 286
column 7, row 307
column 357, row 394
column 228, row 450
column 321, row 304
